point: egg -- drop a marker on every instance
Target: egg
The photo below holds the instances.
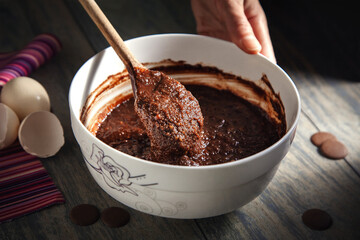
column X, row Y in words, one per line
column 41, row 134
column 9, row 124
column 25, row 95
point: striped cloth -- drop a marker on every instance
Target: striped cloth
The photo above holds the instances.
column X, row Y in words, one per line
column 23, row 62
column 25, row 185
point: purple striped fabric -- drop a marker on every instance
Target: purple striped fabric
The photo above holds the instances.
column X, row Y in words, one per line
column 23, row 62
column 25, row 185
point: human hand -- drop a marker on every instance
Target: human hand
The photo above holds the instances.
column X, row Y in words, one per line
column 242, row 22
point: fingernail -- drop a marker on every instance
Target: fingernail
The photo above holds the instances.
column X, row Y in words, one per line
column 251, row 44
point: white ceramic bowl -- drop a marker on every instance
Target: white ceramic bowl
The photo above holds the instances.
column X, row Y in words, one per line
column 181, row 191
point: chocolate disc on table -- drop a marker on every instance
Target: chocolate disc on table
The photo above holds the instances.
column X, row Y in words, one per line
column 320, row 137
column 84, row 214
column 317, row 219
column 115, row 217
column 333, row 149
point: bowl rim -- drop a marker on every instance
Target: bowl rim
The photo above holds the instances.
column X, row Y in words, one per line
column 242, row 161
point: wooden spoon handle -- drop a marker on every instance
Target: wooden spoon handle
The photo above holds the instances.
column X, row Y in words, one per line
column 110, row 34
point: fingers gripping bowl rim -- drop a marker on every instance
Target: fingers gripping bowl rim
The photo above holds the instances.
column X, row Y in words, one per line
column 181, row 191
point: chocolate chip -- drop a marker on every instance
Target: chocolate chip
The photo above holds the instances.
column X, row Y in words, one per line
column 115, row 217
column 317, row 219
column 320, row 137
column 333, row 149
column 84, row 214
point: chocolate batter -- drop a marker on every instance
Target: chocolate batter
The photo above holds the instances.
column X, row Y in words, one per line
column 240, row 117
column 234, row 129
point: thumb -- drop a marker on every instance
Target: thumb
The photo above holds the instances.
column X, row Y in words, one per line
column 240, row 30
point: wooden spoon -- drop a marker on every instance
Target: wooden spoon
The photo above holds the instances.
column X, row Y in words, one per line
column 113, row 38
column 171, row 114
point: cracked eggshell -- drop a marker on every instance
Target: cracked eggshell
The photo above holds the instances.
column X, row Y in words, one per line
column 25, row 95
column 41, row 134
column 9, row 125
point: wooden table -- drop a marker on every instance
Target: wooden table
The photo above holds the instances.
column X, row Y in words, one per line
column 318, row 46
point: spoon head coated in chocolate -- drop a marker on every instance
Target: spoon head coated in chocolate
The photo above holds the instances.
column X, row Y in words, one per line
column 171, row 115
